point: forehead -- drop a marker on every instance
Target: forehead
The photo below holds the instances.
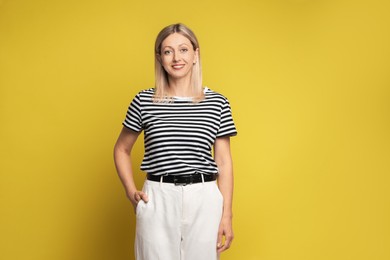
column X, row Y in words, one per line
column 175, row 39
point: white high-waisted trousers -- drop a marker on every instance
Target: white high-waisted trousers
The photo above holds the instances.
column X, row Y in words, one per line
column 178, row 222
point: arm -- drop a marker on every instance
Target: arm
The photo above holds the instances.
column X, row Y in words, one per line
column 223, row 159
column 122, row 151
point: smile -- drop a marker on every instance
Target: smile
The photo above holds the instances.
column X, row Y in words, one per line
column 178, row 66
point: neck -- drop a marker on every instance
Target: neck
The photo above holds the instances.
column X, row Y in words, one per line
column 180, row 87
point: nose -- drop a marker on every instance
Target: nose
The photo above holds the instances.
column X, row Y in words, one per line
column 176, row 56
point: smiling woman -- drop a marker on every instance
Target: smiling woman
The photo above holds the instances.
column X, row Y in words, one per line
column 177, row 63
column 177, row 58
column 182, row 211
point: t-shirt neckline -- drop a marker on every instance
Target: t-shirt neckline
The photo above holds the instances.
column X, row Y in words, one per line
column 205, row 89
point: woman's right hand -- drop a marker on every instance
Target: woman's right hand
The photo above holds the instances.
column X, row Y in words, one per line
column 136, row 196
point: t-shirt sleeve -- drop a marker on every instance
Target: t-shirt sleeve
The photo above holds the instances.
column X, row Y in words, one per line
column 227, row 127
column 133, row 120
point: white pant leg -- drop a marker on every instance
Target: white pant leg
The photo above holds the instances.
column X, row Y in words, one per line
column 178, row 222
column 158, row 223
column 202, row 212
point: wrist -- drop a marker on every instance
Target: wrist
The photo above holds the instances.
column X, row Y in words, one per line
column 228, row 214
column 130, row 194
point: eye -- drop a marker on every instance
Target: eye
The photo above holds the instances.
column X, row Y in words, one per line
column 167, row 52
column 184, row 50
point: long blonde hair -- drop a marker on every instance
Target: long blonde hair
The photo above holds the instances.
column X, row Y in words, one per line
column 161, row 76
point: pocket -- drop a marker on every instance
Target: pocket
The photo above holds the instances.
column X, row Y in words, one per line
column 141, row 205
column 138, row 207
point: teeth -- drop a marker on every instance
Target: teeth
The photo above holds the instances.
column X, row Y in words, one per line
column 178, row 66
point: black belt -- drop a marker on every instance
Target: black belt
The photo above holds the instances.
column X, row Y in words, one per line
column 182, row 179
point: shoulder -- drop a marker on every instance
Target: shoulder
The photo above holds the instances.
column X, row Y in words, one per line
column 146, row 92
column 142, row 98
column 214, row 96
column 144, row 95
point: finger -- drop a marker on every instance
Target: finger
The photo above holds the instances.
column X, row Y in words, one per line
column 219, row 240
column 144, row 196
column 136, row 196
column 228, row 242
column 223, row 247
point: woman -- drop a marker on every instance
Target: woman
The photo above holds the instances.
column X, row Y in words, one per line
column 182, row 212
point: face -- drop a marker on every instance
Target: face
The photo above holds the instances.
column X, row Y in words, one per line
column 178, row 56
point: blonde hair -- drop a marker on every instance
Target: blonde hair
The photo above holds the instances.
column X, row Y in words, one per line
column 161, row 76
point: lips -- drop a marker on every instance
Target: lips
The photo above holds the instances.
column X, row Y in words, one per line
column 178, row 66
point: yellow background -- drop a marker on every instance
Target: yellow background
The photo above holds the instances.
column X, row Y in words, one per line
column 309, row 85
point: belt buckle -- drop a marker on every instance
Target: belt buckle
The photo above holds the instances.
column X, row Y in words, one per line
column 177, row 182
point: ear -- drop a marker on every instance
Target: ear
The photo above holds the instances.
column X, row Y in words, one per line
column 158, row 57
column 196, row 58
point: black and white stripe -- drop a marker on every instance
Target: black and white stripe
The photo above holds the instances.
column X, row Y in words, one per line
column 178, row 136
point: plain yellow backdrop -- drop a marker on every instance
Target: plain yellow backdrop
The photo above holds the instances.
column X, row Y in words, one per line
column 309, row 84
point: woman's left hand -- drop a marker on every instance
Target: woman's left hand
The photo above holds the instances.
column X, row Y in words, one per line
column 225, row 230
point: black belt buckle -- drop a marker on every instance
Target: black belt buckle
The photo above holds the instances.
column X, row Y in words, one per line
column 182, row 180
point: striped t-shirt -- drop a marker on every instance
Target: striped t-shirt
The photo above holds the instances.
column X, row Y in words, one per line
column 178, row 136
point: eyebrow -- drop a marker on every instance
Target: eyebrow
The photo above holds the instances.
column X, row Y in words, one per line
column 172, row 47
